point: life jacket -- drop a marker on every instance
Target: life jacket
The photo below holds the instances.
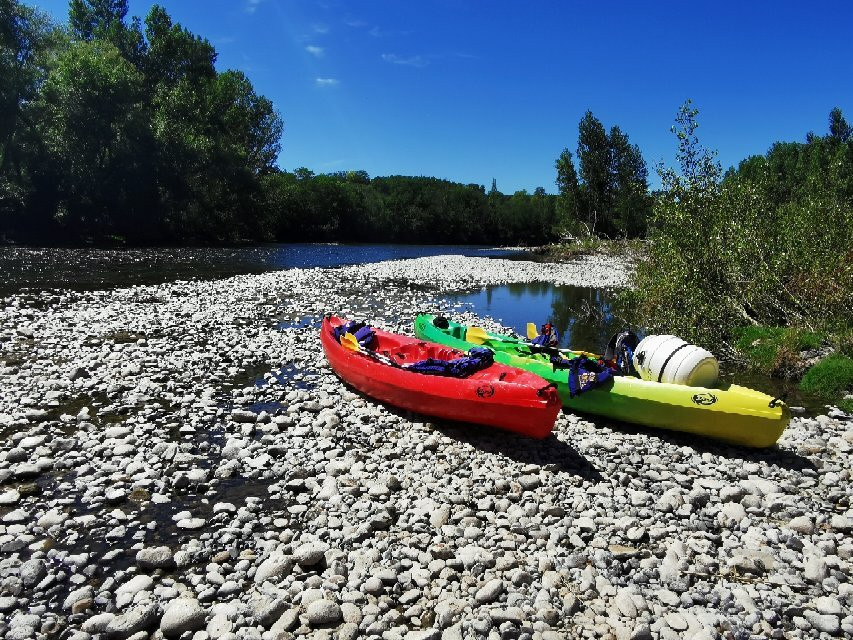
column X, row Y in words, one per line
column 362, row 332
column 548, row 338
column 477, row 358
column 584, row 373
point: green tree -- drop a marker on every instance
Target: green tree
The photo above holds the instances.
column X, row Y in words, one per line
column 174, row 54
column 838, row 128
column 91, row 20
column 769, row 244
column 91, row 121
column 567, row 185
column 28, row 41
column 594, row 160
column 629, row 187
column 251, row 126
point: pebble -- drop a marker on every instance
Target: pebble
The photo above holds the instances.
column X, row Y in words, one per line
column 182, row 615
column 155, row 558
column 310, row 553
column 321, row 612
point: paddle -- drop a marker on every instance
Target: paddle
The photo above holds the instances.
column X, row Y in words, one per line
column 476, row 335
column 532, row 331
column 349, row 341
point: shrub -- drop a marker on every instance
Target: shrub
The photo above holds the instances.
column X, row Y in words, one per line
column 743, row 250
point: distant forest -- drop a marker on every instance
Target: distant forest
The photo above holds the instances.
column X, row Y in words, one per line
column 117, row 130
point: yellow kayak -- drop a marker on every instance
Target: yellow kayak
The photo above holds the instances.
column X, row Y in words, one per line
column 728, row 412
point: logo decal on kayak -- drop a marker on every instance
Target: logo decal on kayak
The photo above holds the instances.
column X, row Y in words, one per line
column 485, row 391
column 704, row 398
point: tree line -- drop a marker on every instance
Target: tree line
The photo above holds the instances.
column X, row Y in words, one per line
column 117, row 129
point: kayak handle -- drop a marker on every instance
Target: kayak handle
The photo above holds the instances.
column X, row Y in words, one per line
column 541, row 392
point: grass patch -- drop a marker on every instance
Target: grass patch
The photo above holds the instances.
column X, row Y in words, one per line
column 830, row 379
column 775, row 350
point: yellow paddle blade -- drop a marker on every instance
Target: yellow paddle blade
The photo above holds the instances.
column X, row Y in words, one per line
column 349, row 341
column 532, row 331
column 476, row 335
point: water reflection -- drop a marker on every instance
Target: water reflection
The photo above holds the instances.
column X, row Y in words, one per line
column 585, row 317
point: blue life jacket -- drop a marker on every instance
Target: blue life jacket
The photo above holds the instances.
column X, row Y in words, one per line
column 362, row 332
column 477, row 358
column 584, row 373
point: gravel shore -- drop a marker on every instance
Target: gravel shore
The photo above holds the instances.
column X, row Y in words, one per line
column 178, row 461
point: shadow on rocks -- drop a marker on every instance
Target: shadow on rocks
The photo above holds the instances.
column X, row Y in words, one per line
column 774, row 455
column 550, row 452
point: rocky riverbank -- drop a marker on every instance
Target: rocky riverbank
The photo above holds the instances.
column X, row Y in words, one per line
column 179, row 461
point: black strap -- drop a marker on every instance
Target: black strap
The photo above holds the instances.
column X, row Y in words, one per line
column 668, row 358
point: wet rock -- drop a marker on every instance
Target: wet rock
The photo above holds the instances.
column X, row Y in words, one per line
column 155, row 558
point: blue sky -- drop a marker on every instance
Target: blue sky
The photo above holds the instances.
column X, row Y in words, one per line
column 471, row 91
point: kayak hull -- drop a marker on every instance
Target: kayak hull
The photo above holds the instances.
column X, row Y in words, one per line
column 497, row 396
column 730, row 413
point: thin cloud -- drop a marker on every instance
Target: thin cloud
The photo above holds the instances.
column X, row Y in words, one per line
column 326, row 82
column 413, row 61
column 315, row 50
column 252, row 5
column 321, row 29
column 355, row 24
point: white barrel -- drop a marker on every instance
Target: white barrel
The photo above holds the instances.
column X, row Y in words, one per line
column 671, row 359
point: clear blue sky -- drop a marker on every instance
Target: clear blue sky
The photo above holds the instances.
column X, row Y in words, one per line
column 469, row 91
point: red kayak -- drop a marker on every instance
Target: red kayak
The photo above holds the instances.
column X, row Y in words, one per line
column 497, row 395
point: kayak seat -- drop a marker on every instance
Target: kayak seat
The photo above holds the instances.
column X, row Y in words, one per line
column 458, row 332
column 413, row 352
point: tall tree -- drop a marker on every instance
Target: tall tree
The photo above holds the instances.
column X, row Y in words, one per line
column 175, row 54
column 27, row 40
column 629, row 186
column 594, row 159
column 567, row 185
column 838, row 128
column 92, row 123
column 25, row 35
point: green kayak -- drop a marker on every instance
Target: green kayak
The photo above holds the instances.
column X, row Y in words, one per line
column 729, row 412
